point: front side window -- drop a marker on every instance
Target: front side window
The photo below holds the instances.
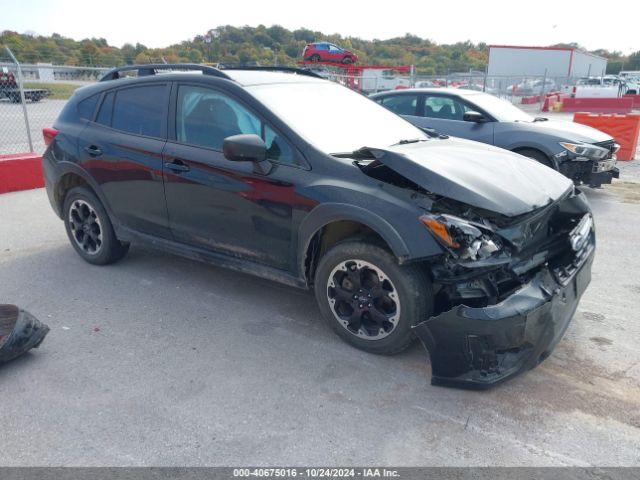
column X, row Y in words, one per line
column 139, row 110
column 205, row 117
column 443, row 107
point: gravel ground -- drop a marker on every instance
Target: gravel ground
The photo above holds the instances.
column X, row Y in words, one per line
column 163, row 361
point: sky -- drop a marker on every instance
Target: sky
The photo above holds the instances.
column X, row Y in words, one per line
column 159, row 24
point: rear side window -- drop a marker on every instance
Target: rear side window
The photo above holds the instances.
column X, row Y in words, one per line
column 139, row 110
column 87, row 107
column 401, row 104
column 104, row 115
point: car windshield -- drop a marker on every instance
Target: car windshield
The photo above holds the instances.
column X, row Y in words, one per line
column 333, row 118
column 501, row 110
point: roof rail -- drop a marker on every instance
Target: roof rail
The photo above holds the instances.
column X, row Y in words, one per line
column 299, row 71
column 153, row 68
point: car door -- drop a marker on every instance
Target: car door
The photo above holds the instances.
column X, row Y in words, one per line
column 122, row 150
column 220, row 205
column 335, row 53
column 444, row 113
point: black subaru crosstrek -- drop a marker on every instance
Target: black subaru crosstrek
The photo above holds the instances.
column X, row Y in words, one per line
column 400, row 233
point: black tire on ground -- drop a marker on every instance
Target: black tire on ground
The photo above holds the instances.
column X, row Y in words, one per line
column 536, row 155
column 410, row 284
column 15, row 97
column 315, row 57
column 91, row 234
column 347, row 60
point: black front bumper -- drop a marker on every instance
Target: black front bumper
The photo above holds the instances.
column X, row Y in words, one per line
column 587, row 173
column 480, row 347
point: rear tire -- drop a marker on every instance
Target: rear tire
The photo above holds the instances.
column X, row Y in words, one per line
column 89, row 228
column 536, row 155
column 315, row 57
column 368, row 299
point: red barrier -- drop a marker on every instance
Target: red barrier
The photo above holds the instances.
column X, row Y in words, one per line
column 530, row 100
column 597, row 105
column 21, row 171
column 625, row 129
column 635, row 99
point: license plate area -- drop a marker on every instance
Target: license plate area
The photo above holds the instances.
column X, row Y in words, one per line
column 604, row 165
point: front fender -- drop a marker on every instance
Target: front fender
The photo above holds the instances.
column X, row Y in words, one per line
column 407, row 243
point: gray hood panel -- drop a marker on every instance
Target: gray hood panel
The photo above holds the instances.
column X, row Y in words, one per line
column 570, row 131
column 476, row 174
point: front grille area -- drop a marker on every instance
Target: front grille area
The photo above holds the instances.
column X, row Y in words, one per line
column 609, row 145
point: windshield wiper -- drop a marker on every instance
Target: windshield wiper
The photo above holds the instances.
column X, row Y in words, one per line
column 410, row 140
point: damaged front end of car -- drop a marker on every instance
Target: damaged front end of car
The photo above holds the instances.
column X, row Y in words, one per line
column 506, row 290
column 518, row 242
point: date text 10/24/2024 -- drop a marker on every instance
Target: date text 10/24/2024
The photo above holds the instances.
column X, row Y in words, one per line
column 316, row 472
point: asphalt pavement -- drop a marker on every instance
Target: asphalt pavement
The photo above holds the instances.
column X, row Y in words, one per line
column 163, row 361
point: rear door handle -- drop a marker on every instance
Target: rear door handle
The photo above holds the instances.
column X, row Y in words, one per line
column 93, row 150
column 177, row 166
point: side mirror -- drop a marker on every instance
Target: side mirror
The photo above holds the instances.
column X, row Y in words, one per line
column 476, row 117
column 244, row 148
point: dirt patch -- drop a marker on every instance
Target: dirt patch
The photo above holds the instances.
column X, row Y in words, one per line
column 633, row 288
column 596, row 317
column 628, row 192
column 601, row 340
column 569, row 383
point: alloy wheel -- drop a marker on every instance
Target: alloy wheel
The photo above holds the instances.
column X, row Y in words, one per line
column 363, row 299
column 86, row 228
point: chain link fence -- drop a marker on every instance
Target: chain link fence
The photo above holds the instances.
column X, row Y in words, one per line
column 32, row 95
column 31, row 98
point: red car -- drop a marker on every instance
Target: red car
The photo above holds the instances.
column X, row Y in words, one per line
column 328, row 52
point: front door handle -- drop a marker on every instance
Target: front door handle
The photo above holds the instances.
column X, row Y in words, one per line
column 93, row 150
column 177, row 166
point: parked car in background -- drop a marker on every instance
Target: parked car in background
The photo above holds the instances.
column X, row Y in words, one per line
column 9, row 89
column 532, row 87
column 584, row 154
column 478, row 87
column 380, row 80
column 427, row 84
column 480, row 253
column 632, row 79
column 328, row 52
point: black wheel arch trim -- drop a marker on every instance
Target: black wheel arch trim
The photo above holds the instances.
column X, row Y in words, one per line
column 328, row 213
column 63, row 168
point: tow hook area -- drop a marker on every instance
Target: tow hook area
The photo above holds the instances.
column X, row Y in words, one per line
column 19, row 332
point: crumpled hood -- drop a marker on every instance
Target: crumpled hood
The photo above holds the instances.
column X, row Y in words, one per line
column 476, row 174
column 570, row 131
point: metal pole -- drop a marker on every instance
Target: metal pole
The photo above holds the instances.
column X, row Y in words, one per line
column 22, row 99
column 484, row 83
column 544, row 84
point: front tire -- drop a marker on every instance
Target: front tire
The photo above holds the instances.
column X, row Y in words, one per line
column 89, row 228
column 536, row 155
column 368, row 299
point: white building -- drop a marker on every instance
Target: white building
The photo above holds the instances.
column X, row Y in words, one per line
column 533, row 61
